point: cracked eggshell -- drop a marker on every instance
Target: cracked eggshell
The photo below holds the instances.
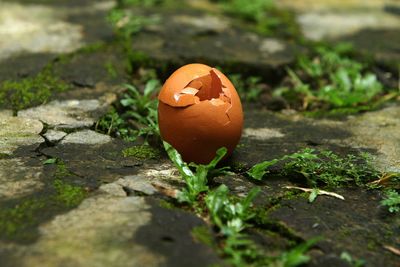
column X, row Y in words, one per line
column 199, row 111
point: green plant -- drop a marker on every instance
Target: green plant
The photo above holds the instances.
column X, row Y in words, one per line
column 249, row 89
column 254, row 11
column 296, row 256
column 244, row 252
column 354, row 262
column 263, row 16
column 322, row 169
column 196, row 181
column 115, row 125
column 241, row 251
column 330, row 79
column 142, row 106
column 126, row 23
column 230, row 215
column 137, row 116
column 391, row 200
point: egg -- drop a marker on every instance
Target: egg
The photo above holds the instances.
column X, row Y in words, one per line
column 199, row 111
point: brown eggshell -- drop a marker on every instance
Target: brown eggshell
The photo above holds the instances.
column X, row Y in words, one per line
column 199, row 111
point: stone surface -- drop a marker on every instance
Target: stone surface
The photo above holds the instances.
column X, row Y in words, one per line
column 187, row 38
column 379, row 130
column 357, row 225
column 54, row 136
column 86, row 137
column 17, row 67
column 106, row 64
column 324, row 25
column 69, row 114
column 115, row 230
column 40, row 27
column 35, row 28
column 15, row 132
column 17, row 178
column 98, row 233
column 136, row 183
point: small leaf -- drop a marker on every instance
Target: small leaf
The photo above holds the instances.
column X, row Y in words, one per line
column 50, row 161
column 151, row 87
column 258, row 170
column 177, row 159
column 313, row 195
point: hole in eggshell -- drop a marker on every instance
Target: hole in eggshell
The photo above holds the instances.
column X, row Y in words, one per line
column 208, row 87
column 204, row 88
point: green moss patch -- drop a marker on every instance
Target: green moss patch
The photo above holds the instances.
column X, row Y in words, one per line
column 67, row 194
column 141, row 152
column 31, row 91
column 16, row 221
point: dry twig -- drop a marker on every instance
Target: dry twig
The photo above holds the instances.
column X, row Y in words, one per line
column 320, row 192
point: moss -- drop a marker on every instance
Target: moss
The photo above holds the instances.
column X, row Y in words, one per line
column 61, row 170
column 203, row 235
column 167, row 205
column 16, row 221
column 110, row 68
column 68, row 195
column 262, row 221
column 341, row 112
column 141, row 152
column 32, row 90
column 372, row 245
column 4, row 155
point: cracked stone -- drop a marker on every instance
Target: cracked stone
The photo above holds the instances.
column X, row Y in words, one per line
column 69, row 114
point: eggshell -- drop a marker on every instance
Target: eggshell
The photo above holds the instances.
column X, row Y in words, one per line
column 199, row 111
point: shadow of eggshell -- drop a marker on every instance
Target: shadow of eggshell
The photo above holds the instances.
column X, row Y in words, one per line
column 199, row 111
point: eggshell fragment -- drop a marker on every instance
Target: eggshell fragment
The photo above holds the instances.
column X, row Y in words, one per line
column 199, row 111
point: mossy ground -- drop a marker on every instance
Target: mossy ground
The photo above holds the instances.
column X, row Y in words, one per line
column 19, row 218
